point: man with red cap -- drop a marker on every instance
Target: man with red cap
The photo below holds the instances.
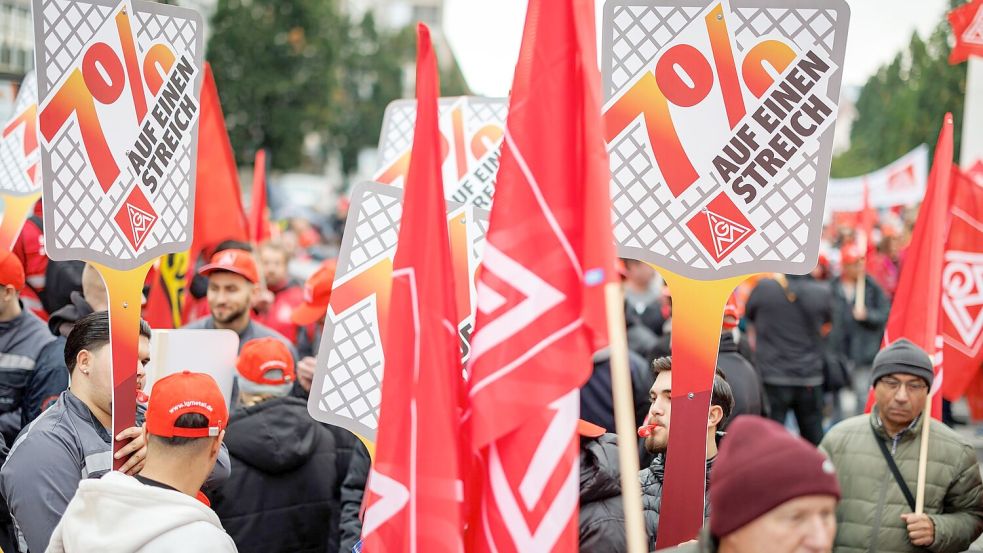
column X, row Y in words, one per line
column 857, row 331
column 22, row 336
column 284, row 294
column 232, row 283
column 308, row 318
column 158, row 510
column 287, row 468
column 773, row 492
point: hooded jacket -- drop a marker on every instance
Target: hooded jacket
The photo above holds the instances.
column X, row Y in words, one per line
column 119, row 514
column 744, row 380
column 602, row 515
column 21, row 340
column 283, row 493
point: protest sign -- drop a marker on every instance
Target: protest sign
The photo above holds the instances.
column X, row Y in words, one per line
column 118, row 84
column 350, row 363
column 19, row 171
column 213, row 352
column 719, row 122
column 900, row 183
column 472, row 129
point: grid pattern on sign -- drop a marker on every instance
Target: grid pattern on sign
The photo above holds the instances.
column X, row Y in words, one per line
column 353, row 377
column 83, row 214
column 638, row 34
column 13, row 164
column 643, row 214
column 398, row 132
column 376, row 230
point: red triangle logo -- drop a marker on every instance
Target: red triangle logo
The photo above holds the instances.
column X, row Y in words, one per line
column 721, row 227
column 136, row 218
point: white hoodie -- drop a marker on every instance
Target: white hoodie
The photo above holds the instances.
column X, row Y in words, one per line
column 117, row 513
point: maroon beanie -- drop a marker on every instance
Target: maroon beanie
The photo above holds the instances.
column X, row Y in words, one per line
column 759, row 467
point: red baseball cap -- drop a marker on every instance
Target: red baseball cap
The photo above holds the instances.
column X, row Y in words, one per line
column 317, row 295
column 266, row 361
column 182, row 393
column 589, row 429
column 850, row 253
column 11, row 270
column 239, row 262
column 732, row 316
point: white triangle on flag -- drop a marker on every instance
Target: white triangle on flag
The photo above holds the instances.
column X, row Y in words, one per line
column 974, row 33
column 726, row 233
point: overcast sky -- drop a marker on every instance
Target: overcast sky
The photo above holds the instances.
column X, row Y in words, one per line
column 485, row 36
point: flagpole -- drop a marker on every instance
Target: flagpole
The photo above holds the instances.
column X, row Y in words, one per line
column 860, row 298
column 624, row 418
column 923, row 456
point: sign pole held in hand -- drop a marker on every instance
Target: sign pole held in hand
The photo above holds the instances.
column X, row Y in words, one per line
column 118, row 122
column 19, row 163
column 719, row 123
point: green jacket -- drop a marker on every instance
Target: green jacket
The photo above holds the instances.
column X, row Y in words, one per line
column 869, row 515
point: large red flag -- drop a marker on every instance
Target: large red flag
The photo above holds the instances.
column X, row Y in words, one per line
column 259, row 224
column 915, row 313
column 413, row 500
column 962, row 287
column 967, row 26
column 549, row 251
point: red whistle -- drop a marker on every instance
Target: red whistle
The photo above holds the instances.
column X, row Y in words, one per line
column 646, row 429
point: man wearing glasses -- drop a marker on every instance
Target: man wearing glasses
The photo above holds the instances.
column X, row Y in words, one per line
column 876, row 459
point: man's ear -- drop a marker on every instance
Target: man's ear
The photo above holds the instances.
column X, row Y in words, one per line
column 83, row 361
column 715, row 416
column 216, row 446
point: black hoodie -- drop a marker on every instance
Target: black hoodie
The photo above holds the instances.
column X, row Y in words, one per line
column 602, row 515
column 282, row 495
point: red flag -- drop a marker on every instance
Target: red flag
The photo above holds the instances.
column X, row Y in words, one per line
column 962, row 287
column 413, row 498
column 259, row 224
column 916, row 311
column 549, row 251
column 967, row 26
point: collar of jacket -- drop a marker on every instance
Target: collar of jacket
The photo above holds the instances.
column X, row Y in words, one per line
column 658, row 466
column 911, row 432
column 82, row 411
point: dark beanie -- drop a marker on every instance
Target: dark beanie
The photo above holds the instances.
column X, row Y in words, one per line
column 902, row 356
column 760, row 466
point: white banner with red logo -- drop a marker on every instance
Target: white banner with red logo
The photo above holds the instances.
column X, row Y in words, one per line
column 900, row 183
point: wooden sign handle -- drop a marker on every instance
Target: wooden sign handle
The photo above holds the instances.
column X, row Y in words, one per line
column 125, row 289
column 16, row 210
column 697, row 316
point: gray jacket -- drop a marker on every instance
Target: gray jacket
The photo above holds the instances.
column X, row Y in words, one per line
column 21, row 340
column 652, row 479
column 63, row 446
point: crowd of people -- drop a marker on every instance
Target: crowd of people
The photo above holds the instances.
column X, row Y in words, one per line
column 262, row 475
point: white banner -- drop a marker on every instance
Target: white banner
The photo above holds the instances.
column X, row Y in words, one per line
column 900, row 183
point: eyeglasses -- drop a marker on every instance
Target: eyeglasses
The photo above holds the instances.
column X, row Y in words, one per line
column 911, row 386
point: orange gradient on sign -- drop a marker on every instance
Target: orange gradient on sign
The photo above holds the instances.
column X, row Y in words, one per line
column 125, row 290
column 457, row 123
column 457, row 234
column 723, row 57
column 645, row 98
column 74, row 97
column 757, row 78
column 15, row 212
column 697, row 309
column 485, row 140
column 375, row 281
column 132, row 65
column 157, row 62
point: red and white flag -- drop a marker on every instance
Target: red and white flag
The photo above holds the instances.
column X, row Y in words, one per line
column 967, row 26
column 413, row 497
column 259, row 221
column 549, row 252
column 916, row 312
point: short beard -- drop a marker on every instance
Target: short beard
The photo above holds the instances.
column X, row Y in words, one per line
column 654, row 448
column 232, row 316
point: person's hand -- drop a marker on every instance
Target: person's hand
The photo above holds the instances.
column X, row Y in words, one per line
column 921, row 529
column 860, row 313
column 136, row 450
column 305, row 372
column 263, row 300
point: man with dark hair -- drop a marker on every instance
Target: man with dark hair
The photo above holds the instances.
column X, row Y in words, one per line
column 233, row 279
column 656, row 434
column 282, row 294
column 73, row 436
column 160, row 509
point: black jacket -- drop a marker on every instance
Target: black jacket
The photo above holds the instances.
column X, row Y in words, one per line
column 596, row 399
column 352, row 491
column 283, row 494
column 858, row 341
column 602, row 515
column 652, row 479
column 744, row 380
